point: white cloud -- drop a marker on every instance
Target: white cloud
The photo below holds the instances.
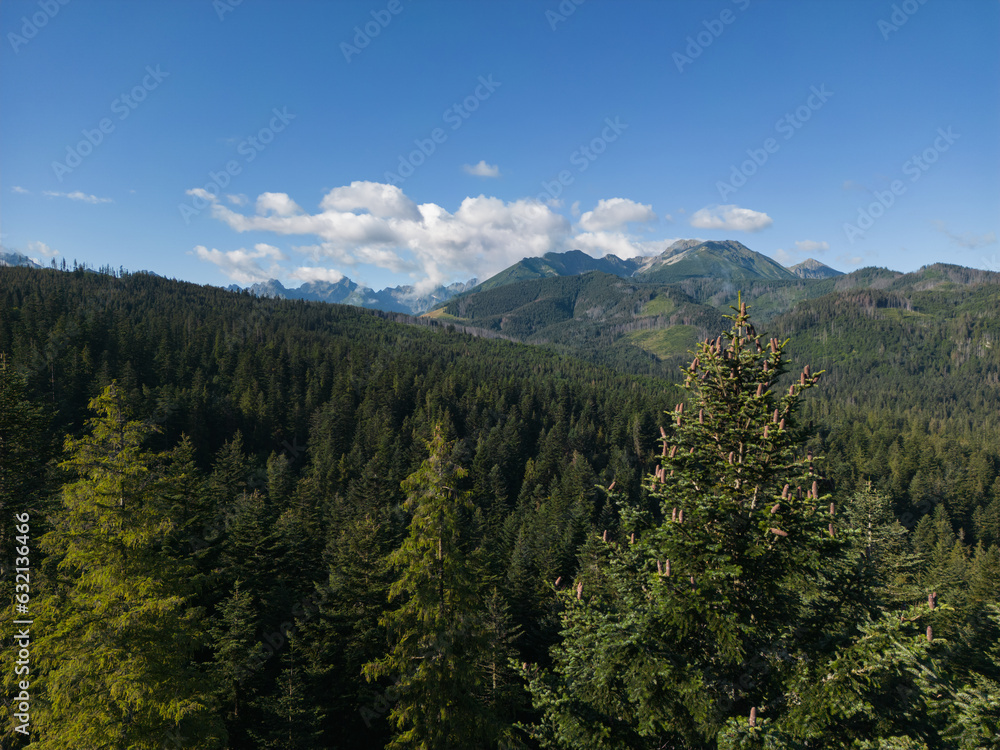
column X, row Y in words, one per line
column 276, row 203
column 40, row 248
column 730, row 217
column 377, row 224
column 850, row 260
column 19, row 189
column 615, row 213
column 77, row 195
column 237, row 200
column 316, row 273
column 811, row 246
column 374, row 224
column 378, row 199
column 966, row 239
column 482, row 169
column 244, row 265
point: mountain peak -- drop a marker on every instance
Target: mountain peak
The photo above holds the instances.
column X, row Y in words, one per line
column 811, row 268
column 719, row 259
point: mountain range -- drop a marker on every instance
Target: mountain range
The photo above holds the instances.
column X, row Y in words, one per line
column 404, row 299
column 651, row 317
column 684, row 259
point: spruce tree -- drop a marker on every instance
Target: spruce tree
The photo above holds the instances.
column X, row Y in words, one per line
column 436, row 637
column 705, row 625
column 116, row 630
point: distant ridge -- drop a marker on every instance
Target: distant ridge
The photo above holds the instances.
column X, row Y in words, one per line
column 402, row 299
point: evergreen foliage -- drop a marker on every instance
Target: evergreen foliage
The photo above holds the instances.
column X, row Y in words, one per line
column 273, row 494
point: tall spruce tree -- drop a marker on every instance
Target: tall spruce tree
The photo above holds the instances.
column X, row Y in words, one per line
column 706, row 626
column 437, row 639
column 116, row 632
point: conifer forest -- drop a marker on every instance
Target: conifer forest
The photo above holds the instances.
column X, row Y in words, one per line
column 267, row 523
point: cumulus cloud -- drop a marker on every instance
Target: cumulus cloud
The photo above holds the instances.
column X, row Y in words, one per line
column 316, row 273
column 375, row 198
column 243, row 265
column 278, row 204
column 237, row 200
column 967, row 240
column 77, row 195
column 615, row 213
column 482, row 169
column 811, row 246
column 730, row 217
column 377, row 224
column 41, row 249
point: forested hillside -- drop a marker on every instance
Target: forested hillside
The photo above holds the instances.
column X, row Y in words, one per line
column 263, row 523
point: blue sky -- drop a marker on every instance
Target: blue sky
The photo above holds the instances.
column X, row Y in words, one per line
column 414, row 141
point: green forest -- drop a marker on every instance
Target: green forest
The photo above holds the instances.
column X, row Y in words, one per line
column 262, row 523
